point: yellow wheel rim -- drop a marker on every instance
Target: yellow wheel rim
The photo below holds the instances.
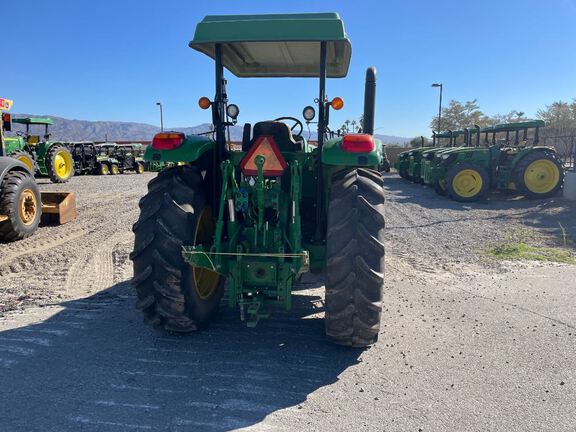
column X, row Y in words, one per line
column 63, row 165
column 140, row 169
column 205, row 281
column 104, row 170
column 467, row 183
column 27, row 207
column 27, row 161
column 541, row 176
column 115, row 169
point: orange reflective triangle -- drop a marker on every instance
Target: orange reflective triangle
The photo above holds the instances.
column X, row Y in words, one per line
column 274, row 164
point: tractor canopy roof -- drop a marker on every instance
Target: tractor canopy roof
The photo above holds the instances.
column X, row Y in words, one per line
column 278, row 45
column 511, row 127
column 34, row 120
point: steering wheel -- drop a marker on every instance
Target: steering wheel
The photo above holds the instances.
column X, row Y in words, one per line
column 297, row 123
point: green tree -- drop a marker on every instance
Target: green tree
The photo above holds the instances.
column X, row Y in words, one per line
column 458, row 115
column 559, row 115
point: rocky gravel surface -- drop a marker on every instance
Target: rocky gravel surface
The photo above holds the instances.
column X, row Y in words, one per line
column 467, row 343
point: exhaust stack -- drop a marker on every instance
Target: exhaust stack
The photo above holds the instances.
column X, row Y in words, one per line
column 369, row 101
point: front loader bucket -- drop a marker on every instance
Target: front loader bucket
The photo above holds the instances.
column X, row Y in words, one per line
column 58, row 207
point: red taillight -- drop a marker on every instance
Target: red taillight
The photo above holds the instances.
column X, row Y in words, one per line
column 358, row 143
column 168, row 141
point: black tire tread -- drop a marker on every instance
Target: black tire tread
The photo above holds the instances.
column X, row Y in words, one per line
column 355, row 257
column 160, row 271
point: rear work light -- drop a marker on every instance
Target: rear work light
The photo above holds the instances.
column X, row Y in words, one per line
column 358, row 143
column 168, row 140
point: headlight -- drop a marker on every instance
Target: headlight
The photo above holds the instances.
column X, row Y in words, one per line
column 309, row 113
column 232, row 111
column 446, row 156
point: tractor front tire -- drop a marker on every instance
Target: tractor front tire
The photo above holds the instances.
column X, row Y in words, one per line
column 114, row 170
column 20, row 201
column 539, row 174
column 139, row 168
column 467, row 182
column 103, row 169
column 355, row 257
column 59, row 164
column 172, row 294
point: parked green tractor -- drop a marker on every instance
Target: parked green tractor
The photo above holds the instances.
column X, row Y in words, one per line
column 21, row 203
column 129, row 158
column 510, row 160
column 429, row 166
column 106, row 159
column 260, row 217
column 39, row 154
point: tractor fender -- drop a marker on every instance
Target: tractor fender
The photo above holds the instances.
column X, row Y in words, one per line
column 524, row 152
column 333, row 154
column 9, row 164
column 191, row 150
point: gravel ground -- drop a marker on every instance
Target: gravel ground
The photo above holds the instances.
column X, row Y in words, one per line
column 467, row 343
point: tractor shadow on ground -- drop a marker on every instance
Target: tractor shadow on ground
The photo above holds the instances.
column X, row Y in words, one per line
column 95, row 366
column 553, row 214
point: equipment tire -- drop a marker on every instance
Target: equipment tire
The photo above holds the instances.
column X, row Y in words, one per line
column 20, row 200
column 539, row 174
column 27, row 159
column 467, row 182
column 59, row 164
column 114, row 169
column 172, row 214
column 103, row 169
column 355, row 257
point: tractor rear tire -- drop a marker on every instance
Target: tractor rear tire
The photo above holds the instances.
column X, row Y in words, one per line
column 139, row 168
column 539, row 174
column 172, row 214
column 467, row 182
column 59, row 164
column 20, row 200
column 27, row 159
column 355, row 257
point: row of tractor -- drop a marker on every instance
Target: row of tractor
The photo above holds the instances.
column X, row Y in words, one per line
column 468, row 164
column 22, row 205
column 60, row 160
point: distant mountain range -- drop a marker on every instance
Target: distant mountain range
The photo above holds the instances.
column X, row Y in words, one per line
column 84, row 130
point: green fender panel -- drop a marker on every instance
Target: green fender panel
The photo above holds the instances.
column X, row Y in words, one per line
column 332, row 154
column 194, row 146
column 522, row 153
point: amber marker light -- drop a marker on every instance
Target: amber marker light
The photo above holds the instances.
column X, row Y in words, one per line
column 204, row 102
column 337, row 103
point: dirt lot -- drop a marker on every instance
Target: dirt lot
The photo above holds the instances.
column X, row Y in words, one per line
column 468, row 343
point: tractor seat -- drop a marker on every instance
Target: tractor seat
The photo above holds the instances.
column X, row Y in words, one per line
column 277, row 130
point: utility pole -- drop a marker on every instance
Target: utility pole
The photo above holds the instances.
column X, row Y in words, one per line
column 439, row 106
column 161, row 117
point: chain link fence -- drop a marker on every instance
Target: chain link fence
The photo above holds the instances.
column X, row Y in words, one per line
column 565, row 145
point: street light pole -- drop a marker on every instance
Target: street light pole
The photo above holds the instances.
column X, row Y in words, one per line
column 161, row 117
column 439, row 106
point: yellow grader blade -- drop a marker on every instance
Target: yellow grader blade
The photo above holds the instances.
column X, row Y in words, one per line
column 58, row 207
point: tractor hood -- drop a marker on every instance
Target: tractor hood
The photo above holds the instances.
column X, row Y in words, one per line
column 280, row 45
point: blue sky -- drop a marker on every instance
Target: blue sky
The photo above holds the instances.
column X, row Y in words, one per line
column 112, row 60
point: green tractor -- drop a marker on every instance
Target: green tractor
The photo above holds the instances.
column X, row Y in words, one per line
column 428, row 164
column 507, row 162
column 260, row 216
column 129, row 158
column 406, row 161
column 47, row 158
column 106, row 159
